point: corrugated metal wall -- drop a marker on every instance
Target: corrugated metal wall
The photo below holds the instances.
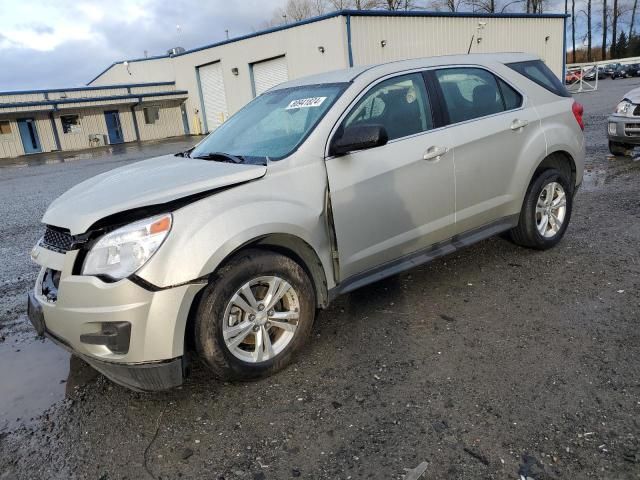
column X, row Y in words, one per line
column 415, row 37
column 11, row 144
column 168, row 125
column 92, row 121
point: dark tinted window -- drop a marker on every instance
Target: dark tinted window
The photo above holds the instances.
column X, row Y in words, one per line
column 399, row 104
column 538, row 72
column 512, row 99
column 469, row 93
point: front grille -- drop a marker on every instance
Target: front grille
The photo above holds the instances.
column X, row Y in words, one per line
column 632, row 129
column 57, row 240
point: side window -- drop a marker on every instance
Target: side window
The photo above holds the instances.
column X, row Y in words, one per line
column 538, row 72
column 469, row 93
column 399, row 104
column 512, row 99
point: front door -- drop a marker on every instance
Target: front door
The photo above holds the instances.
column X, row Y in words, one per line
column 29, row 135
column 114, row 128
column 393, row 200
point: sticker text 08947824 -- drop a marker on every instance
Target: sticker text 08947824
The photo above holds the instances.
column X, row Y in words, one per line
column 306, row 102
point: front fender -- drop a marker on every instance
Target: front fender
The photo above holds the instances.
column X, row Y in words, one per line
column 205, row 233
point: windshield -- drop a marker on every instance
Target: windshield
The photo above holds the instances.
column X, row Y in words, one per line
column 273, row 125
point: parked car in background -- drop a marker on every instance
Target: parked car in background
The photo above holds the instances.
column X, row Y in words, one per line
column 590, row 74
column 623, row 126
column 633, row 70
column 620, row 71
column 572, row 76
column 609, row 68
column 317, row 187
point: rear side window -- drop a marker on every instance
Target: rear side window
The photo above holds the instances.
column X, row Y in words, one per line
column 512, row 99
column 538, row 72
column 473, row 93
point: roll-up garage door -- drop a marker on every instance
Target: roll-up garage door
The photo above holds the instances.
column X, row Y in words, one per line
column 269, row 73
column 214, row 100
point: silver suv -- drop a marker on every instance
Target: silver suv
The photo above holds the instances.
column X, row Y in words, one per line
column 315, row 188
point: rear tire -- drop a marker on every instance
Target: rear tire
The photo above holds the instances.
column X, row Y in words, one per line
column 255, row 314
column 619, row 149
column 546, row 211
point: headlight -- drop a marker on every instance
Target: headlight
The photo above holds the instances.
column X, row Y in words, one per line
column 624, row 107
column 122, row 252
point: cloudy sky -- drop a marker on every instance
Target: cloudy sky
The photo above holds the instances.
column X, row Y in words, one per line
column 62, row 43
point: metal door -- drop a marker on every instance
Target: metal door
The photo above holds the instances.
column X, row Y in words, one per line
column 269, row 73
column 214, row 100
column 29, row 135
column 114, row 128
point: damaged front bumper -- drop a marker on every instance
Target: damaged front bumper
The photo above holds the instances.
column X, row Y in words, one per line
column 133, row 335
column 149, row 376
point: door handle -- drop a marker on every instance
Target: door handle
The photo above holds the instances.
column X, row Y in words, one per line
column 518, row 124
column 434, row 153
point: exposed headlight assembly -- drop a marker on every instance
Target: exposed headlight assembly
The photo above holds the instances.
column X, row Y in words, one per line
column 122, row 252
column 625, row 107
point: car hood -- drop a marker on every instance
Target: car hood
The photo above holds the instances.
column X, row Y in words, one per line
column 633, row 96
column 151, row 182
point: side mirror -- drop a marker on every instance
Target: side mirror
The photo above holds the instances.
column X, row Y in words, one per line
column 359, row 137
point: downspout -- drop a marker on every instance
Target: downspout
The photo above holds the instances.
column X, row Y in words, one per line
column 564, row 49
column 56, row 137
column 135, row 120
column 349, row 49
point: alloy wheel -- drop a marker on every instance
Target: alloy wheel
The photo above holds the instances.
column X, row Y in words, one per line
column 261, row 319
column 551, row 209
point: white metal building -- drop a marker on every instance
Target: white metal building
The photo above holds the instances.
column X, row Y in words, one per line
column 37, row 121
column 216, row 80
column 222, row 77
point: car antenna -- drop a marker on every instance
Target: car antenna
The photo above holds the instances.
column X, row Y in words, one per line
column 470, row 44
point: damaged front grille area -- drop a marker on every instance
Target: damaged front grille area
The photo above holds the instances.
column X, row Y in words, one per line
column 57, row 240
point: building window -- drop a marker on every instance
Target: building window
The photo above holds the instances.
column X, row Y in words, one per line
column 151, row 114
column 70, row 123
column 5, row 128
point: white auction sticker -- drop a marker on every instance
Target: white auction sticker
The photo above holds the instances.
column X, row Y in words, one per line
column 306, row 102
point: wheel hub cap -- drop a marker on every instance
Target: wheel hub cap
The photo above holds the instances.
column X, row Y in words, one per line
column 261, row 318
column 551, row 210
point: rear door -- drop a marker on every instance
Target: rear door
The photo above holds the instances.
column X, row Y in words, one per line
column 490, row 124
column 393, row 200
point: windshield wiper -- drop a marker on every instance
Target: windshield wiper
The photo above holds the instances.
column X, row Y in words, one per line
column 185, row 153
column 221, row 157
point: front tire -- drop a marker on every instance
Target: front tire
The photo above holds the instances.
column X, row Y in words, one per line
column 546, row 211
column 255, row 314
column 619, row 149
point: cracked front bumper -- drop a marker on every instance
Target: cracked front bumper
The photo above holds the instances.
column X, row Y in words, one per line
column 85, row 310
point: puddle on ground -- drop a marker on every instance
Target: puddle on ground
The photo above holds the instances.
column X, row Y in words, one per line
column 34, row 375
column 597, row 176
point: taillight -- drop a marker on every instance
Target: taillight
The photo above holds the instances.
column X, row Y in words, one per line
column 578, row 110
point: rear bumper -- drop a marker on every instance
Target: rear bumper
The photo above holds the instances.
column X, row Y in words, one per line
column 622, row 129
column 146, row 376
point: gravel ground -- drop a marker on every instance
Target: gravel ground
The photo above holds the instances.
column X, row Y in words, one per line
column 495, row 362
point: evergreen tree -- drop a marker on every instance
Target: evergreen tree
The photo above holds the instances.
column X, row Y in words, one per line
column 622, row 45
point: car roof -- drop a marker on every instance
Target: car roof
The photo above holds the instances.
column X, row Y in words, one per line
column 379, row 70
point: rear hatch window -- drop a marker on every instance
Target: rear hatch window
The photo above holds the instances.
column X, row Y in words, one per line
column 538, row 72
